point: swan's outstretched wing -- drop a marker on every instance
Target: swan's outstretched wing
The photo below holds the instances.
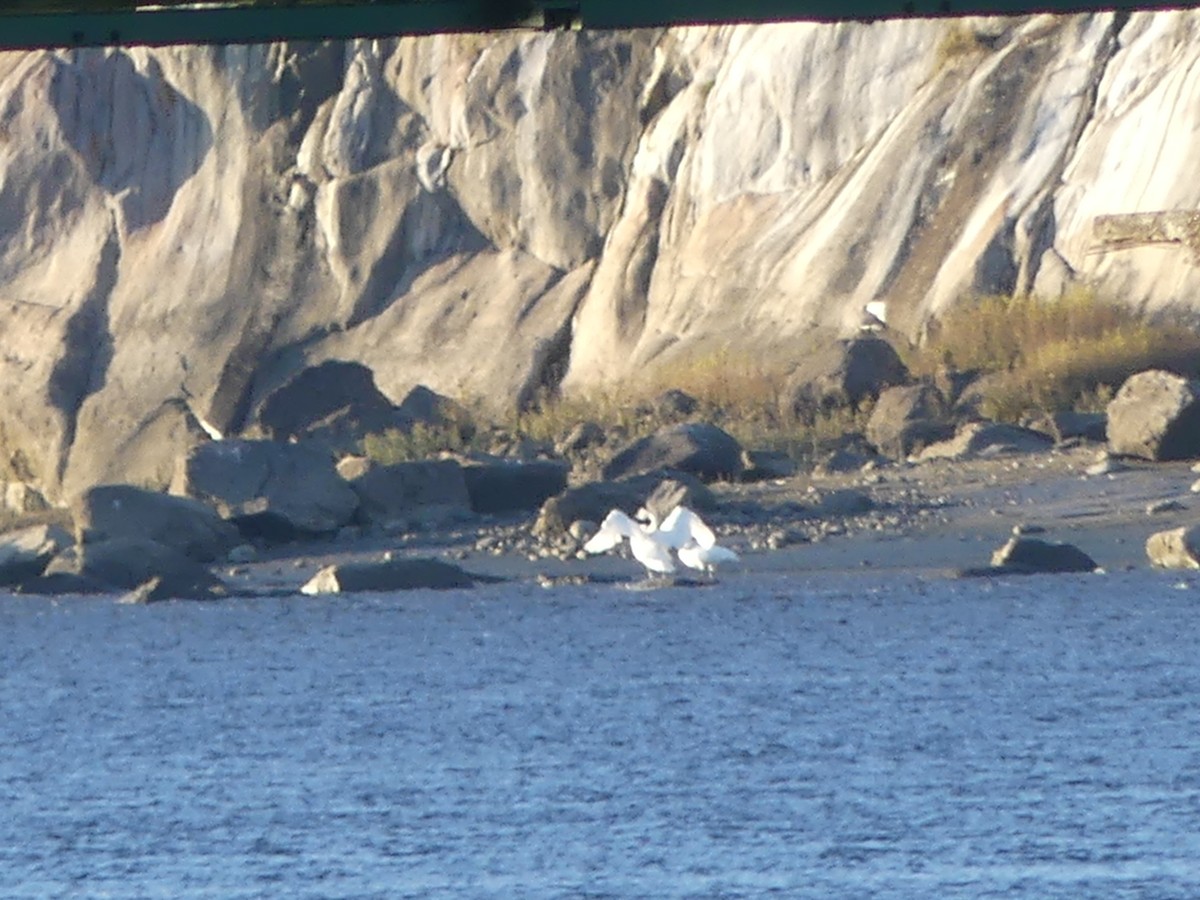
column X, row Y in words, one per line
column 682, row 525
column 615, row 527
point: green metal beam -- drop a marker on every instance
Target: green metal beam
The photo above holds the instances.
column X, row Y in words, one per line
column 81, row 23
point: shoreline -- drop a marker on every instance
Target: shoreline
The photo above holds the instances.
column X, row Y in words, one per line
column 935, row 518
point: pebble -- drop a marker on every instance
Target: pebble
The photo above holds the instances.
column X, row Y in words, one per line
column 242, row 553
column 1027, row 528
column 1168, row 504
column 1104, row 466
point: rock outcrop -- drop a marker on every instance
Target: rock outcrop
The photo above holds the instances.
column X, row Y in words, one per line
column 695, row 448
column 501, row 216
column 270, row 491
column 1156, row 415
column 109, row 511
column 1176, row 548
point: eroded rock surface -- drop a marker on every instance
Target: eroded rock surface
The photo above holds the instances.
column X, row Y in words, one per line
column 184, row 229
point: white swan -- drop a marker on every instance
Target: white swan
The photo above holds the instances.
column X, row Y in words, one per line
column 690, row 537
column 706, row 559
column 645, row 544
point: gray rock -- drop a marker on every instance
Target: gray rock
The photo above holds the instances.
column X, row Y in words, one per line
column 160, row 588
column 25, row 552
column 1177, row 548
column 767, row 465
column 843, row 372
column 269, row 491
column 242, row 553
column 112, row 511
column 975, row 439
column 1156, row 416
column 681, row 489
column 399, row 574
column 699, row 449
column 424, row 492
column 57, row 584
column 1106, row 464
column 852, row 452
column 843, row 502
column 583, row 436
column 501, row 485
column 592, row 501
column 1026, row 555
column 336, row 402
column 128, row 563
column 422, row 405
column 670, row 405
column 907, row 418
column 1065, row 425
column 589, row 502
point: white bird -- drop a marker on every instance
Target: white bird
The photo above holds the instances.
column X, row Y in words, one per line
column 691, row 538
column 646, row 546
column 705, row 559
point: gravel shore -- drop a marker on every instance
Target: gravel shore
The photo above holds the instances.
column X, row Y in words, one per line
column 935, row 517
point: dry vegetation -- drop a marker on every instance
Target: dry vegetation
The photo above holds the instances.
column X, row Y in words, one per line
column 1070, row 353
column 1040, row 356
column 959, row 41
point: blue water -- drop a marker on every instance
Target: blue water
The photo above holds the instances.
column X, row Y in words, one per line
column 839, row 738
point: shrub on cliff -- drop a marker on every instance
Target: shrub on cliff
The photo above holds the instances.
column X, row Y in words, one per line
column 1053, row 354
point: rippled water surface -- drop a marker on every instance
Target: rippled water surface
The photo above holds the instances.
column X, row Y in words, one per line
column 843, row 737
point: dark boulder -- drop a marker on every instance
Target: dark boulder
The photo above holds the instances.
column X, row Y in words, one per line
column 976, row 439
column 497, row 485
column 669, row 406
column 335, row 402
column 427, row 407
column 696, row 448
column 588, row 503
column 767, row 465
column 270, row 491
column 582, row 437
column 25, row 552
column 1066, row 425
column 128, row 563
column 1031, row 556
column 843, row 373
column 591, row 502
column 423, row 492
column 390, row 575
column 907, row 418
column 59, row 583
column 121, row 510
column 851, row 452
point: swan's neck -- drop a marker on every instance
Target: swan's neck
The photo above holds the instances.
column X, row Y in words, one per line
column 650, row 524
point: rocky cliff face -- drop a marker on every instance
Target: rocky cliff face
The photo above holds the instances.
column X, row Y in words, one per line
column 182, row 228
